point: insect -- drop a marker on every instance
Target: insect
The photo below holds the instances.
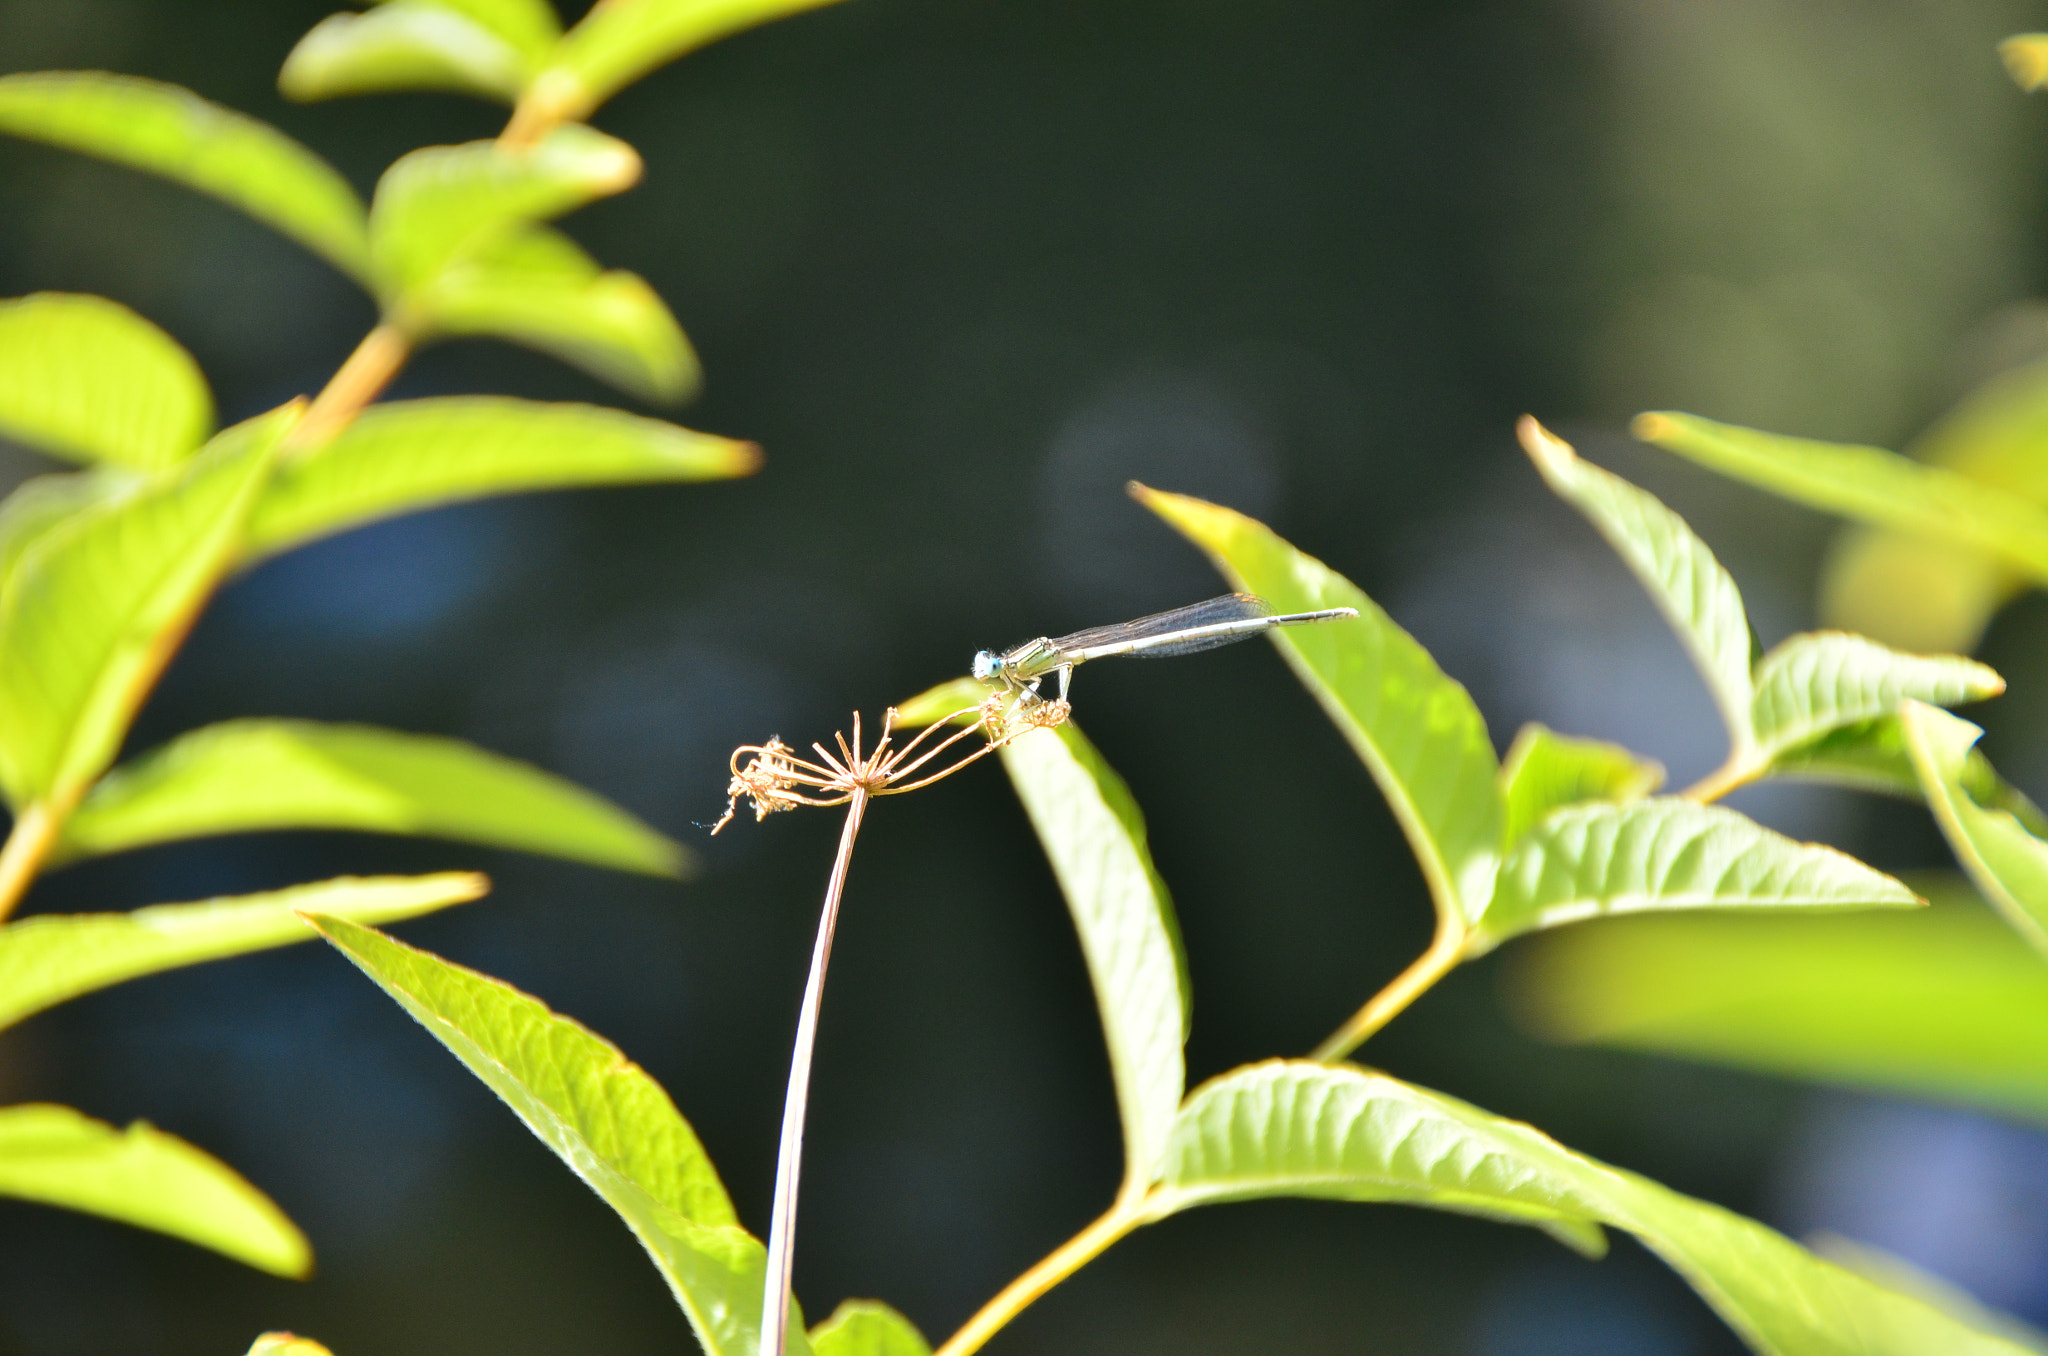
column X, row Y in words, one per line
column 1163, row 635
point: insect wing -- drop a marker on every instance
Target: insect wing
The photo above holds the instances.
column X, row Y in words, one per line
column 1231, row 607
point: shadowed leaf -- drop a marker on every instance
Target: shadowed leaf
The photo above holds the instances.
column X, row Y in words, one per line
column 2008, row 864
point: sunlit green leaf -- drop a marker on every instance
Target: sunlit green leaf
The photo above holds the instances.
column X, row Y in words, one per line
column 439, row 206
column 1871, row 756
column 87, row 379
column 1668, row 853
column 144, row 1177
column 403, row 455
column 286, row 1344
column 1821, row 681
column 1896, row 1274
column 1545, row 770
column 540, row 289
column 41, row 503
column 603, row 1116
column 1417, row 730
column 407, row 44
column 868, row 1328
column 961, row 699
column 2008, row 864
column 173, row 132
column 95, row 606
column 529, row 25
column 1866, row 483
column 2026, row 57
column 1684, row 580
column 50, row 958
column 1095, row 837
column 246, row 775
column 622, row 40
column 1294, row 1128
column 1943, row 1002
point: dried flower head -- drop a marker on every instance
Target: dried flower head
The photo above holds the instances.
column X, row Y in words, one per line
column 775, row 779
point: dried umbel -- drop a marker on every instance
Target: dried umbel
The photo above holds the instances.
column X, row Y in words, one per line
column 774, row 778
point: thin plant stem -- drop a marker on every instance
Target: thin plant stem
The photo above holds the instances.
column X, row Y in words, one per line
column 789, row 1155
column 354, row 384
column 1738, row 771
column 1062, row 1262
column 1446, row 949
column 34, row 833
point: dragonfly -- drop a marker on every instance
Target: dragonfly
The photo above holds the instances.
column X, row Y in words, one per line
column 1163, row 635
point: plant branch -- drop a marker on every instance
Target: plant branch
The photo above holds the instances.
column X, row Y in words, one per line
column 34, row 833
column 1740, row 770
column 1446, row 949
column 1062, row 1262
column 789, row 1156
column 354, row 384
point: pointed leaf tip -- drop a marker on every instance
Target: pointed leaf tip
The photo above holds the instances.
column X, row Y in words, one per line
column 1544, row 447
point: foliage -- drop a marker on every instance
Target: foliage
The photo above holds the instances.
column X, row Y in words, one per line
column 104, row 569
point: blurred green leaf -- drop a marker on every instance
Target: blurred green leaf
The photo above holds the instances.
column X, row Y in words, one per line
column 1685, row 581
column 1821, row 681
column 1545, row 770
column 89, row 380
column 868, row 1328
column 1586, row 861
column 1866, row 483
column 2026, row 57
column 144, row 1177
column 1913, row 592
column 531, row 26
column 619, row 41
column 173, row 132
column 407, row 44
column 603, row 1116
column 247, row 775
column 404, row 455
column 1944, row 1002
column 95, row 607
column 1295, row 1128
column 2008, row 864
column 1417, row 730
column 1094, row 835
column 41, row 503
column 540, row 289
column 439, row 206
column 51, row 958
column 286, row 1344
column 1871, row 756
column 934, row 704
column 1902, row 1277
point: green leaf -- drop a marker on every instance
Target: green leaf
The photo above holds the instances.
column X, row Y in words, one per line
column 1094, row 835
column 1943, row 1003
column 602, row 1115
column 404, row 455
column 42, row 503
column 959, row 699
column 1669, row 853
column 2026, row 58
column 173, row 132
column 89, row 380
column 868, row 1328
column 144, row 1177
column 529, row 25
column 51, row 958
column 439, row 206
column 93, row 610
column 1871, row 756
column 622, row 40
column 248, row 775
column 1295, row 1128
column 540, row 289
column 1545, row 770
column 408, row 44
column 1685, row 581
column 1821, row 681
column 1866, row 483
column 2008, row 864
column 1418, row 731
column 1902, row 1277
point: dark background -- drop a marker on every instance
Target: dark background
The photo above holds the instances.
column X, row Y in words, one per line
column 963, row 267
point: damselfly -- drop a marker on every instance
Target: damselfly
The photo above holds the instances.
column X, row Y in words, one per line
column 1185, row 630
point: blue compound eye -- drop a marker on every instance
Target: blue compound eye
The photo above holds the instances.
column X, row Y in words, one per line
column 986, row 665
